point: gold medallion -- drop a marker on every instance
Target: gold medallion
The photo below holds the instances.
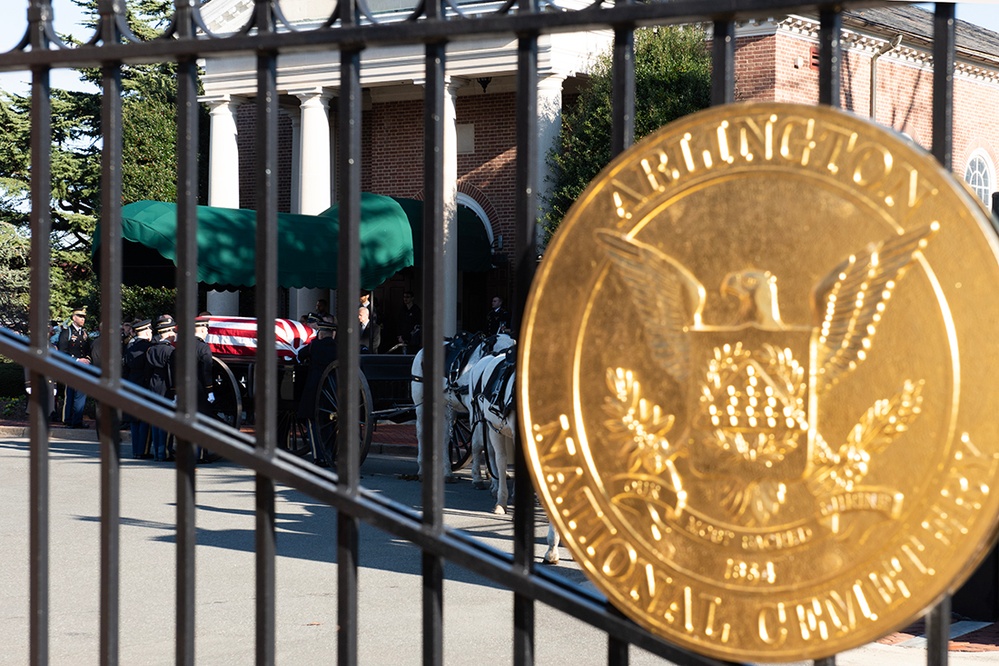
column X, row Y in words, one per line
column 758, row 382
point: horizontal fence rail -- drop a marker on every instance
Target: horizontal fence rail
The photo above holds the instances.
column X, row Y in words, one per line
column 351, row 28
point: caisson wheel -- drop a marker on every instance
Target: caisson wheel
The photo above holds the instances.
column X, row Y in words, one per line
column 328, row 417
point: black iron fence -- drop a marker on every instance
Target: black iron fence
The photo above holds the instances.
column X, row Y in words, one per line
column 352, row 28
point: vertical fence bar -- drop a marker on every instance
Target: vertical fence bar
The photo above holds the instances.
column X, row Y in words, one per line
column 938, row 619
column 40, row 13
column 622, row 136
column 265, row 390
column 109, row 341
column 187, row 301
column 348, row 349
column 526, row 232
column 623, row 88
column 830, row 56
column 938, row 633
column 943, row 83
column 433, row 355
column 723, row 63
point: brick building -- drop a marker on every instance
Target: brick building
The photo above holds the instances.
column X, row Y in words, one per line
column 887, row 75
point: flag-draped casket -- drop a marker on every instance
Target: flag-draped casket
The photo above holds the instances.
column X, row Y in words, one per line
column 236, row 337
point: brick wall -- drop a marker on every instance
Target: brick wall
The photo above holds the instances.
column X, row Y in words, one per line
column 778, row 68
column 246, row 123
column 755, row 77
column 392, row 156
column 775, row 67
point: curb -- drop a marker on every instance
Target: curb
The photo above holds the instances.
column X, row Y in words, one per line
column 90, row 435
column 396, row 450
column 58, row 432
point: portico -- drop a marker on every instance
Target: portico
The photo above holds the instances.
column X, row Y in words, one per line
column 478, row 138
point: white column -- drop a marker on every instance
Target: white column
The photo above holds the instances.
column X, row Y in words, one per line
column 223, row 182
column 450, row 155
column 549, row 127
column 315, row 173
column 315, row 176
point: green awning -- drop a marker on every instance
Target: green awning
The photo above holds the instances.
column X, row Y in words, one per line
column 474, row 249
column 307, row 252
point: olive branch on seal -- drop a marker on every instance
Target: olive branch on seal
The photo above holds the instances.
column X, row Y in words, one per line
column 639, row 425
column 883, row 421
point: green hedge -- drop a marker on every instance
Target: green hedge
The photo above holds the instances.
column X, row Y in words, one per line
column 11, row 379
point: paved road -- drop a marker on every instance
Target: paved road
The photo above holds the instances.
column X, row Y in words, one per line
column 477, row 616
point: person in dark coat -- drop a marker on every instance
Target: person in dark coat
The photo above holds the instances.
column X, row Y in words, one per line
column 371, row 333
column 75, row 341
column 205, row 371
column 135, row 372
column 498, row 319
column 159, row 375
column 317, row 356
column 412, row 323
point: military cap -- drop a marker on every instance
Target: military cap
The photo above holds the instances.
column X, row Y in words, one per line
column 165, row 323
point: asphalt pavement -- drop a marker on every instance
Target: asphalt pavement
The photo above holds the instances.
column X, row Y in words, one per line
column 478, row 614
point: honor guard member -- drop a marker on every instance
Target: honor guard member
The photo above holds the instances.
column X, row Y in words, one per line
column 498, row 319
column 75, row 341
column 160, row 375
column 135, row 372
column 206, row 373
column 318, row 355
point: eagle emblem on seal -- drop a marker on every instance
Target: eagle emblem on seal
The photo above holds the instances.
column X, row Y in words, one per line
column 753, row 386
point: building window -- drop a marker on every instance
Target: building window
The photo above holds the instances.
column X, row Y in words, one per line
column 466, row 138
column 979, row 177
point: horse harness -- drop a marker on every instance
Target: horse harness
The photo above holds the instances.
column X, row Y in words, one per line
column 495, row 385
column 457, row 350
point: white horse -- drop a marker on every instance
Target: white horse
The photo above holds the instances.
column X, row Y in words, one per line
column 462, row 352
column 492, row 385
column 551, row 555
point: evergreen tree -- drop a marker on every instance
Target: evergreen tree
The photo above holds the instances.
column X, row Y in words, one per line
column 672, row 79
column 148, row 163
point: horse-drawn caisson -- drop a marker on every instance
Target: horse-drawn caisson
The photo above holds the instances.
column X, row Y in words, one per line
column 384, row 393
column 307, row 252
column 233, row 341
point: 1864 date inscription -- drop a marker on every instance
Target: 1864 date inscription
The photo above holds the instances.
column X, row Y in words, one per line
column 761, row 423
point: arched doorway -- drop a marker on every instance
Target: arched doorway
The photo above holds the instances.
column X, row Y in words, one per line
column 475, row 244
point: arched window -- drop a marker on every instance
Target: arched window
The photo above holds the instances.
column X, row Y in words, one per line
column 979, row 176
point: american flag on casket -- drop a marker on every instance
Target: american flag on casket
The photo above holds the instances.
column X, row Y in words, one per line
column 237, row 336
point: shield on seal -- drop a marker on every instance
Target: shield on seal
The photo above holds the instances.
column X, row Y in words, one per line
column 751, row 404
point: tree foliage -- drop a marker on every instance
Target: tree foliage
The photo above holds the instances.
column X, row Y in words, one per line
column 672, row 79
column 148, row 169
column 15, row 250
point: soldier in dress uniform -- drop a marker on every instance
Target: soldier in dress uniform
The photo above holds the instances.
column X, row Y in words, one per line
column 75, row 341
column 205, row 371
column 159, row 376
column 135, row 372
column 498, row 319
